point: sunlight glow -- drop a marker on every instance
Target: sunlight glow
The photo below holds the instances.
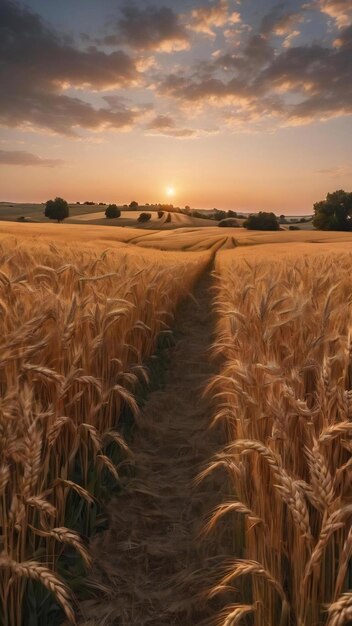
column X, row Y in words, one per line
column 170, row 192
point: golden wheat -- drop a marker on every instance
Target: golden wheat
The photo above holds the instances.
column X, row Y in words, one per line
column 284, row 399
column 77, row 327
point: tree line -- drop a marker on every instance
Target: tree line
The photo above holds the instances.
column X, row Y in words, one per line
column 334, row 213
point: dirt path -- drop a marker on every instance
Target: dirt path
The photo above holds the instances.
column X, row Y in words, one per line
column 151, row 557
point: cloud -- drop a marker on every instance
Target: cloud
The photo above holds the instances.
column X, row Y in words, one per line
column 280, row 21
column 150, row 28
column 166, row 125
column 20, row 157
column 289, row 38
column 296, row 85
column 50, row 83
column 161, row 122
column 319, row 75
column 344, row 39
column 339, row 10
column 205, row 19
column 38, row 66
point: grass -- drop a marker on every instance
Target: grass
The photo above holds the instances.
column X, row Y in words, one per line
column 285, row 401
column 78, row 325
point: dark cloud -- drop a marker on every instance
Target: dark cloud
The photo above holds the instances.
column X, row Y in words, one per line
column 345, row 38
column 149, row 28
column 280, row 20
column 38, row 65
column 321, row 76
column 20, row 157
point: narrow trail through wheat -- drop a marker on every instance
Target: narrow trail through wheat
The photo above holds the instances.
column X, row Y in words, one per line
column 151, row 556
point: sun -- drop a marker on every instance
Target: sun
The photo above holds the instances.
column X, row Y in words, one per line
column 170, row 191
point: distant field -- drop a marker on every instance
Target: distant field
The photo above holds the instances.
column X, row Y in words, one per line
column 95, row 215
column 187, row 238
column 130, row 218
column 9, row 211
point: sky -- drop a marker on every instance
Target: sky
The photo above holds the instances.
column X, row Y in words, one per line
column 234, row 104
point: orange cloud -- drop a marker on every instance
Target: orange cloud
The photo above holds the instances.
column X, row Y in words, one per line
column 205, row 19
column 339, row 10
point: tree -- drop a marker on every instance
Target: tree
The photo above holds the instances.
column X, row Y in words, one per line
column 134, row 205
column 145, row 217
column 262, row 221
column 56, row 209
column 334, row 213
column 231, row 213
column 219, row 215
column 112, row 212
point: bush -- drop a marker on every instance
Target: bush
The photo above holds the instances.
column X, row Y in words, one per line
column 145, row 217
column 232, row 213
column 89, row 203
column 294, row 228
column 262, row 221
column 56, row 209
column 160, row 214
column 112, row 212
column 229, row 222
column 133, row 204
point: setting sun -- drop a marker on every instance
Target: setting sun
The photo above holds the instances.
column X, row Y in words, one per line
column 170, row 192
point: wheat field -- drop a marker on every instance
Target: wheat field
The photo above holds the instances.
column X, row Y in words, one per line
column 181, row 239
column 78, row 324
column 264, row 538
column 284, row 397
